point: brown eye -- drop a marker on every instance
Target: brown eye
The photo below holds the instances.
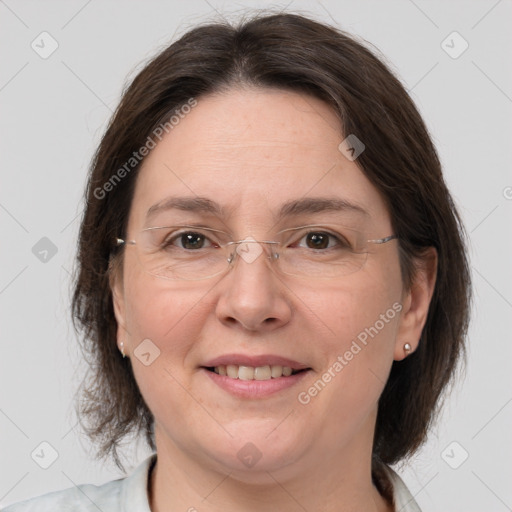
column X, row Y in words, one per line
column 321, row 240
column 192, row 240
column 317, row 240
column 188, row 240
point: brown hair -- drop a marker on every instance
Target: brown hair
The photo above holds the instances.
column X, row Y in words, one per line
column 290, row 52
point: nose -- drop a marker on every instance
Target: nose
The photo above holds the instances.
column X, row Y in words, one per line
column 252, row 296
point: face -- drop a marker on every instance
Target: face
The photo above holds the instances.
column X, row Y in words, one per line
column 251, row 152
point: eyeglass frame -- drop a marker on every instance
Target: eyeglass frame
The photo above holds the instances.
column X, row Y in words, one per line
column 274, row 256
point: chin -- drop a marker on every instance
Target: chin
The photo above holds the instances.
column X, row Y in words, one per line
column 252, row 453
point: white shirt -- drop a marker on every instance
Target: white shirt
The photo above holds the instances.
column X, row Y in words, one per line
column 130, row 494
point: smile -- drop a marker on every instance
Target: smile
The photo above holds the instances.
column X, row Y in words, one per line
column 241, row 372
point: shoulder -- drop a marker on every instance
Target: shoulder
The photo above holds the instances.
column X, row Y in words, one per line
column 81, row 498
column 404, row 501
column 125, row 494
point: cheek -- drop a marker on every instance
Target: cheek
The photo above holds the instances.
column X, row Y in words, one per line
column 360, row 317
column 356, row 322
column 171, row 316
column 172, row 320
column 357, row 304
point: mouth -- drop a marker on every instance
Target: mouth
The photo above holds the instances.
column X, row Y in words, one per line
column 253, row 376
column 242, row 372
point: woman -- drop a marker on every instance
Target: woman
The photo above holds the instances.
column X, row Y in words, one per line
column 272, row 277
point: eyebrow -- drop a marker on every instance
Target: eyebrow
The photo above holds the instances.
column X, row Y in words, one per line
column 311, row 205
column 188, row 204
column 296, row 207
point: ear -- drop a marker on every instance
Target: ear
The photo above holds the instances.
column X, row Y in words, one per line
column 415, row 303
column 117, row 288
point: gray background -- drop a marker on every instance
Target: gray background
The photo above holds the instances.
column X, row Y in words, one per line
column 54, row 111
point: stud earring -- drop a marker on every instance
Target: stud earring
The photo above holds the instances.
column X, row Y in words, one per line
column 407, row 349
column 121, row 347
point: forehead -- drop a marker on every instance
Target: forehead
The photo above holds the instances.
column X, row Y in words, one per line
column 252, row 151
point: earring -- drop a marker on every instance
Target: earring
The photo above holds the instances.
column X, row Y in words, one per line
column 407, row 349
column 121, row 347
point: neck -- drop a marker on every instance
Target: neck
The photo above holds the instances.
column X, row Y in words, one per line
column 340, row 483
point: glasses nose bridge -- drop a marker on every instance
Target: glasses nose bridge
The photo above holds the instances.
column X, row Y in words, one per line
column 250, row 249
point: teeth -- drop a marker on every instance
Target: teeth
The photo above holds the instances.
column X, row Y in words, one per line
column 245, row 372
column 232, row 371
column 262, row 373
column 287, row 371
column 276, row 371
column 253, row 373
